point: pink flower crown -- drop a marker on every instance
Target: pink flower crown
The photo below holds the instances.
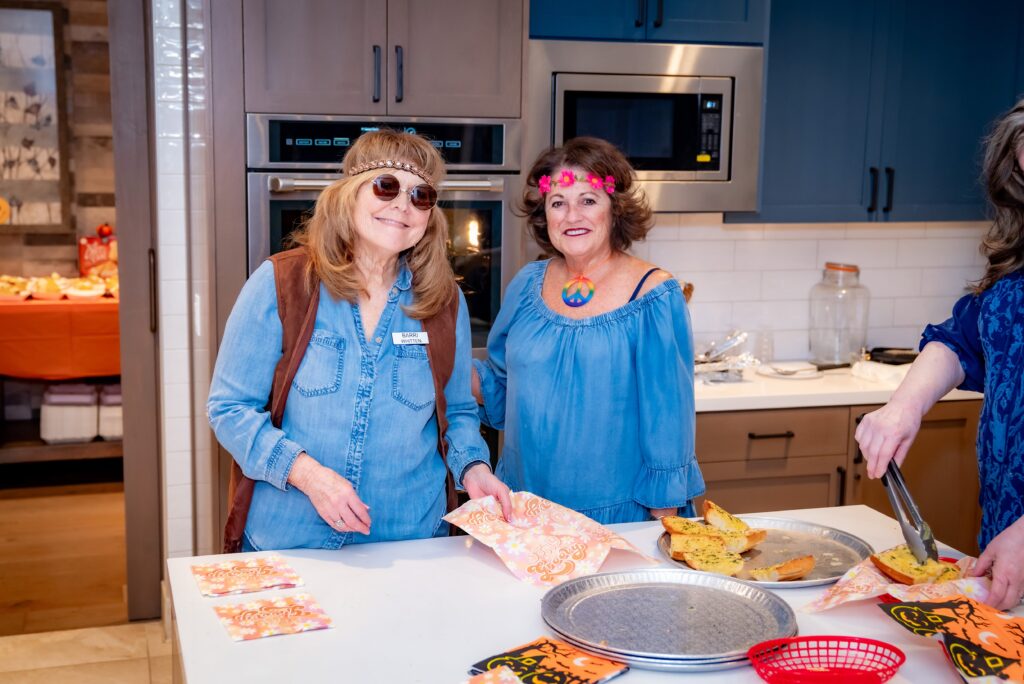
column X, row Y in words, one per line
column 567, row 178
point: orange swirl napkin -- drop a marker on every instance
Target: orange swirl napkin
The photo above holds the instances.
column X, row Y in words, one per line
column 269, row 617
column 543, row 543
column 864, row 581
column 244, row 575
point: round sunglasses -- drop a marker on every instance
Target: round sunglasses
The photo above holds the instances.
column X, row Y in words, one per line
column 386, row 187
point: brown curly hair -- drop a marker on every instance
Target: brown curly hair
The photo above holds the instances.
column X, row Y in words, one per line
column 1004, row 182
column 631, row 215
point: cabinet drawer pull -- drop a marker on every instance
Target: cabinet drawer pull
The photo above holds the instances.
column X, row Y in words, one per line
column 788, row 434
column 842, row 484
column 640, row 12
column 376, row 73
column 659, row 18
column 399, row 73
column 874, row 190
column 890, row 182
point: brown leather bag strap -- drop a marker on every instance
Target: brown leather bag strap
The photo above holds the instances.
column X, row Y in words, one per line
column 440, row 331
column 298, row 296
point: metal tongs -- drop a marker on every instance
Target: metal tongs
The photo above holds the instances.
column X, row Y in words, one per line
column 919, row 535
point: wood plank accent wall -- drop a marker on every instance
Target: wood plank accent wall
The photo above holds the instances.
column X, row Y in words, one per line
column 91, row 150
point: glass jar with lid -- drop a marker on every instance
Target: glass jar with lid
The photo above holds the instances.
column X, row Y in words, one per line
column 839, row 316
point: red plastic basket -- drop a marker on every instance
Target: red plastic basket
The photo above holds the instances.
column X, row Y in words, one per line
column 811, row 659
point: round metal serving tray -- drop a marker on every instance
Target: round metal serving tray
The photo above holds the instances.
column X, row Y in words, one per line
column 664, row 618
column 834, row 551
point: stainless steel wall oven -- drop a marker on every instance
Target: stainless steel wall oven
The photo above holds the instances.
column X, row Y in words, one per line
column 291, row 158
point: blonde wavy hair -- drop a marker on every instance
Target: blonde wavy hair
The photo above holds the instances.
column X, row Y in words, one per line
column 330, row 236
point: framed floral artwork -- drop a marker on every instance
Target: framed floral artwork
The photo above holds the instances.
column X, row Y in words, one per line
column 35, row 188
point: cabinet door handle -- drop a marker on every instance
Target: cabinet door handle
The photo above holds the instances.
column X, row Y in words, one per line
column 788, row 434
column 399, row 73
column 152, row 291
column 659, row 18
column 842, row 484
column 858, row 458
column 641, row 6
column 874, row 189
column 376, row 73
column 890, row 182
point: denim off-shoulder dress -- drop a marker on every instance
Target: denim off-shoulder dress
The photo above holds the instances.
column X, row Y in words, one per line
column 598, row 413
column 986, row 332
column 362, row 407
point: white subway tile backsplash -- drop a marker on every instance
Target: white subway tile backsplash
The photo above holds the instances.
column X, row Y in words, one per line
column 171, row 227
column 804, row 231
column 775, row 255
column 891, row 282
column 171, row 263
column 724, row 286
column 880, row 312
column 873, row 253
column 970, row 229
column 173, row 296
column 787, row 284
column 170, row 191
column 179, row 537
column 685, row 257
column 178, row 434
column 167, row 47
column 702, row 219
column 879, row 230
column 935, row 252
column 710, row 318
column 792, row 345
column 169, row 120
column 949, row 282
column 170, row 155
column 732, row 232
column 920, row 311
column 176, row 391
column 177, row 468
column 898, row 336
column 174, row 332
column 777, row 315
column 179, row 501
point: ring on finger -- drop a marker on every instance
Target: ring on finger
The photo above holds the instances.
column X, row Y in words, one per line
column 338, row 523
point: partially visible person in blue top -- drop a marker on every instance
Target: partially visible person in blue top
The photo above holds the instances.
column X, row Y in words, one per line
column 979, row 348
column 590, row 368
column 356, row 458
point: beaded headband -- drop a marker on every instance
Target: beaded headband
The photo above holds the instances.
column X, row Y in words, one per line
column 389, row 164
column 567, row 178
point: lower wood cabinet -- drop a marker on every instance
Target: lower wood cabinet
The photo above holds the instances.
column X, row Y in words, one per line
column 941, row 471
column 806, row 458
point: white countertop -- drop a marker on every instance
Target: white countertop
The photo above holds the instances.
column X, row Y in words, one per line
column 834, row 388
column 425, row 610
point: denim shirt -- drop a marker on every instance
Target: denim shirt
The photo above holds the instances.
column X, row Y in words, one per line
column 363, row 408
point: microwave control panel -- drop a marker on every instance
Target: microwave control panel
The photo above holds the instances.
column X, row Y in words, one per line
column 710, row 130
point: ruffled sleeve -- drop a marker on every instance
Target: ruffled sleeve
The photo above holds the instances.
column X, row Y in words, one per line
column 962, row 335
column 493, row 371
column 669, row 475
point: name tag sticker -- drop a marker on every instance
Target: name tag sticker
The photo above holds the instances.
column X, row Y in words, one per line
column 409, row 338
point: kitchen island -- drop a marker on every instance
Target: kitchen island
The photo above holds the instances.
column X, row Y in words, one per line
column 425, row 610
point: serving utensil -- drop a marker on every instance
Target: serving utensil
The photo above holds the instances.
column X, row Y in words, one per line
column 916, row 531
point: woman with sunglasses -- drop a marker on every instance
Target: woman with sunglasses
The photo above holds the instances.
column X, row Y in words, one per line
column 356, row 456
column 590, row 369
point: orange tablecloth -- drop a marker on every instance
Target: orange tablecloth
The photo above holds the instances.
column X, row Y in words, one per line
column 59, row 340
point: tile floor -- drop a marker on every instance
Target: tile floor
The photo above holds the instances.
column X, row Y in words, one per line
column 135, row 653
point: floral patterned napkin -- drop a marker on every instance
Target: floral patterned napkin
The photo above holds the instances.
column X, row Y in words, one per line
column 864, row 581
column 245, row 575
column 543, row 543
column 269, row 617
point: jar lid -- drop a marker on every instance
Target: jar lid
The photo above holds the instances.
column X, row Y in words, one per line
column 847, row 268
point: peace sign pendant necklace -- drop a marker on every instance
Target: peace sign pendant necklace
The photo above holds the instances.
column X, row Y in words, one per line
column 579, row 289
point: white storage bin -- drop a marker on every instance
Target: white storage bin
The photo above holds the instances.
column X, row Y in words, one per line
column 64, row 424
column 110, row 426
column 69, row 413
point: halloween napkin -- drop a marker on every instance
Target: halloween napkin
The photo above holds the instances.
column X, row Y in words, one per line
column 542, row 543
column 269, row 617
column 864, row 581
column 550, row 660
column 984, row 644
column 244, row 575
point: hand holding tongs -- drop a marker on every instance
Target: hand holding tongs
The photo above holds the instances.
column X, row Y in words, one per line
column 919, row 535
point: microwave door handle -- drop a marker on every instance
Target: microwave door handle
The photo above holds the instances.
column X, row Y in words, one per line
column 284, row 184
column 472, row 186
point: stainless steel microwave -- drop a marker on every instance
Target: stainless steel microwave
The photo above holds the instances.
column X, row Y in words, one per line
column 687, row 116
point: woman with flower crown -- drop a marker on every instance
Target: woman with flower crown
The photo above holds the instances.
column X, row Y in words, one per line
column 590, row 368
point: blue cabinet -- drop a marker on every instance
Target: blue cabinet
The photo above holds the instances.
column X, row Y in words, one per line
column 669, row 21
column 875, row 110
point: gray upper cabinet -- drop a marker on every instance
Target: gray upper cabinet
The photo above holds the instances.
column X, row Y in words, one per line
column 314, row 56
column 383, row 57
column 455, row 57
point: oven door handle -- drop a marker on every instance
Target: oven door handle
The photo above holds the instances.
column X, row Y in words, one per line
column 285, row 184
